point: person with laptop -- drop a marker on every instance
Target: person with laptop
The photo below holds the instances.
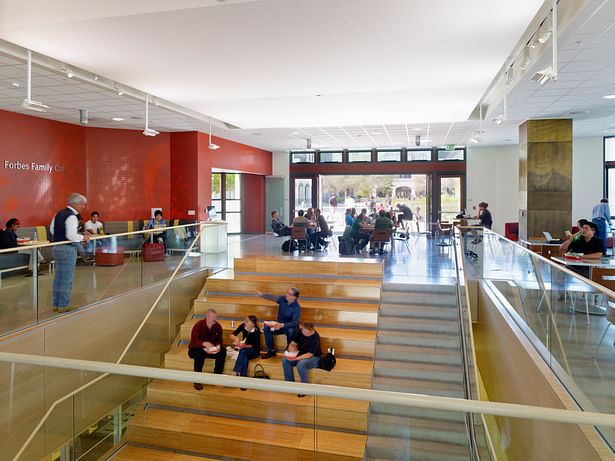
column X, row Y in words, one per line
column 484, row 215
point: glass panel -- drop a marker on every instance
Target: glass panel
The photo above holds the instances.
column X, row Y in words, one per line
column 233, row 186
column 388, row 155
column 331, row 157
column 234, row 222
column 450, row 198
column 418, row 155
column 302, row 157
column 233, row 206
column 609, row 149
column 216, row 186
column 303, row 194
column 611, row 183
column 218, row 205
column 359, row 156
column 19, row 293
column 457, row 154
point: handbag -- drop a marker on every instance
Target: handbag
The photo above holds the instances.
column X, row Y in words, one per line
column 259, row 372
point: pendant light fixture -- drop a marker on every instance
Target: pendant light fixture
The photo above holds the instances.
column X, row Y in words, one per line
column 148, row 131
column 211, row 146
column 28, row 103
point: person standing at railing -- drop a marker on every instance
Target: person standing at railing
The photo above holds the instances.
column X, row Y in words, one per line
column 206, row 343
column 601, row 216
column 289, row 313
column 64, row 227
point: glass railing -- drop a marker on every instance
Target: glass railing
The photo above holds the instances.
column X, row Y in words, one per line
column 63, row 277
column 223, row 421
column 564, row 314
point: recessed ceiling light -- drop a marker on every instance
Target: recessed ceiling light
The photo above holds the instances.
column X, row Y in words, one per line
column 117, row 119
column 507, row 140
column 136, row 117
column 70, row 75
column 15, row 85
column 609, row 96
column 376, row 133
column 257, row 134
column 417, row 129
column 319, row 94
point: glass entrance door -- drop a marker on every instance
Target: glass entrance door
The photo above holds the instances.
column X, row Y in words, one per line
column 303, row 190
column 451, row 196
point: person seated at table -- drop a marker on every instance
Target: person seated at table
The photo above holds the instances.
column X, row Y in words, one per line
column 309, row 214
column 300, row 220
column 361, row 238
column 391, row 216
column 94, row 227
column 349, row 218
column 155, row 223
column 382, row 222
column 8, row 239
column 289, row 312
column 206, row 343
column 405, row 214
column 249, row 344
column 318, row 237
column 590, row 245
column 278, row 226
column 306, row 342
column 485, row 220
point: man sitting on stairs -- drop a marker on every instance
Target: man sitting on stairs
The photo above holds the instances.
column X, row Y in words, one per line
column 287, row 320
column 303, row 352
column 206, row 343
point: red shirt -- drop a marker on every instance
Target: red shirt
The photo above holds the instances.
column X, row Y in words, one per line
column 201, row 333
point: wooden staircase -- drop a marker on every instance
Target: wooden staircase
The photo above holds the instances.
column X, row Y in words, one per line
column 341, row 298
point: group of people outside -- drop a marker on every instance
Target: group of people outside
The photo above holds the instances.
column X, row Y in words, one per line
column 303, row 349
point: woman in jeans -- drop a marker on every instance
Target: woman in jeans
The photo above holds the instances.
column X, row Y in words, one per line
column 247, row 337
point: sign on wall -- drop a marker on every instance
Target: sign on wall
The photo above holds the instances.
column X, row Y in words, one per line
column 48, row 168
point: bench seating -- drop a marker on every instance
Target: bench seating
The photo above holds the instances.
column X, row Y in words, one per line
column 323, row 312
column 274, row 406
column 240, row 439
column 347, row 372
column 283, row 265
column 346, row 341
column 135, row 453
column 308, row 287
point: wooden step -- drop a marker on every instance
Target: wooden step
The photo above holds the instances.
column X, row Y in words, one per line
column 347, row 372
column 307, row 265
column 240, row 439
column 327, row 312
column 291, row 279
column 341, row 289
column 346, row 341
column 133, row 453
column 275, row 406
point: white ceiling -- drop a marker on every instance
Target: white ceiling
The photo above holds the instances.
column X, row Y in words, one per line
column 260, row 64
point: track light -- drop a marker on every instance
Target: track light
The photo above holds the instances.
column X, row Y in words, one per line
column 148, row 131
column 499, row 119
column 29, row 103
column 69, row 74
column 510, row 77
column 475, row 139
column 543, row 76
column 83, row 116
column 417, row 140
column 308, row 143
column 211, row 146
column 526, row 60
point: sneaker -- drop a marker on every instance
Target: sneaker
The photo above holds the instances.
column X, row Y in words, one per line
column 268, row 354
column 300, row 395
column 198, row 386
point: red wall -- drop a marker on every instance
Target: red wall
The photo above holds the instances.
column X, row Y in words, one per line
column 122, row 173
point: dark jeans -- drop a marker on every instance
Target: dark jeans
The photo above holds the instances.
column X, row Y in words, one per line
column 284, row 231
column 199, row 356
column 361, row 239
column 317, row 238
column 601, row 232
column 241, row 365
column 289, row 332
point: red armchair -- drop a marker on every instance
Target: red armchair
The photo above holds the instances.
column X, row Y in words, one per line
column 511, row 229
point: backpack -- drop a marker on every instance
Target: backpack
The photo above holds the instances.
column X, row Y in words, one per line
column 290, row 245
column 346, row 246
column 327, row 361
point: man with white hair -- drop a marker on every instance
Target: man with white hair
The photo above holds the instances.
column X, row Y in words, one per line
column 64, row 227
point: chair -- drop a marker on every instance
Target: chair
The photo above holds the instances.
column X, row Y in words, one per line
column 605, row 277
column 381, row 237
column 443, row 230
column 511, row 231
column 299, row 233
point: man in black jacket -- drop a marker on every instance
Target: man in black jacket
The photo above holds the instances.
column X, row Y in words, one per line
column 277, row 226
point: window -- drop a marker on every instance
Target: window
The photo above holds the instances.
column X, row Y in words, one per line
column 359, row 156
column 331, row 156
column 609, row 149
column 302, row 157
column 447, row 155
column 418, row 155
column 609, row 167
column 388, row 155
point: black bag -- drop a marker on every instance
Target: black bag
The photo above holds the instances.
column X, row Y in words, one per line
column 327, row 361
column 345, row 245
column 259, row 372
column 290, row 245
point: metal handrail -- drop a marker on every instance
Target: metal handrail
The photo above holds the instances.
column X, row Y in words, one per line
column 511, row 410
column 122, row 355
column 107, row 236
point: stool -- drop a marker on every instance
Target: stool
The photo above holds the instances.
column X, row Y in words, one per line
column 109, row 256
column 153, row 252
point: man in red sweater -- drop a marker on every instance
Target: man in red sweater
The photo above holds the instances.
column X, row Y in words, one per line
column 206, row 343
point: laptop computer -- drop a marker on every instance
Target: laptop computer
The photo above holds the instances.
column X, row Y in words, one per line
column 551, row 240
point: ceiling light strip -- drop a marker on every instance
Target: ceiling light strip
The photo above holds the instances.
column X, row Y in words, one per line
column 554, row 43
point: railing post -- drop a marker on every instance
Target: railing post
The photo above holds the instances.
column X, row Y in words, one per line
column 117, row 425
